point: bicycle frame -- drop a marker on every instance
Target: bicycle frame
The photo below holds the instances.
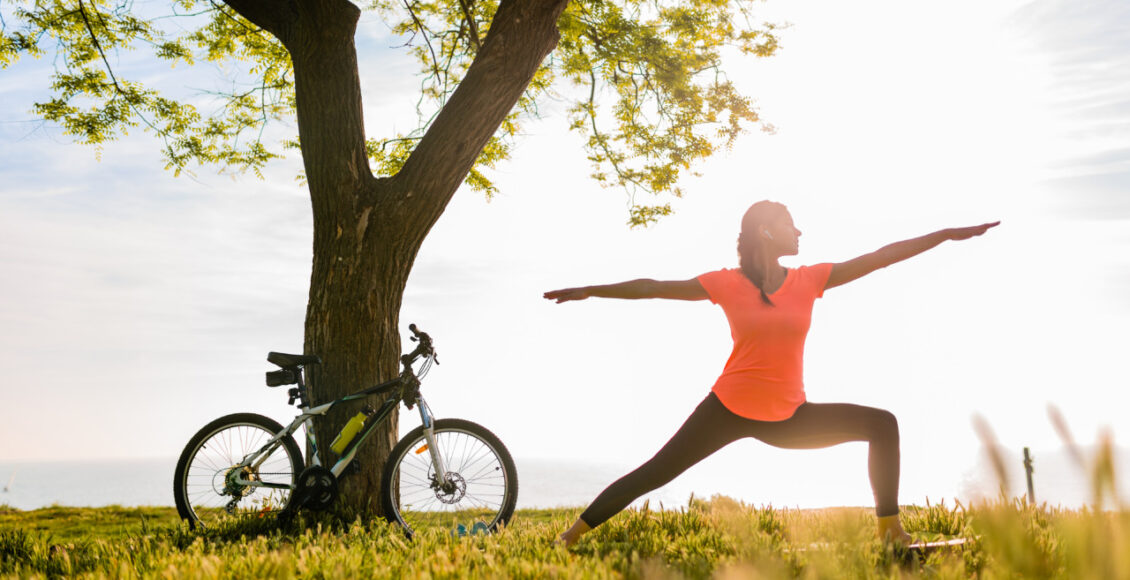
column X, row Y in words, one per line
column 394, row 396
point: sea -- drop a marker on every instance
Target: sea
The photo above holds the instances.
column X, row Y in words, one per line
column 550, row 483
column 149, row 482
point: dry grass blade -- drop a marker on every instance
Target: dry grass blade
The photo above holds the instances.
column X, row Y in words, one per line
column 993, row 449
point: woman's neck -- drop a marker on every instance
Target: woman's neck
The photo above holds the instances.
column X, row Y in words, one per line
column 775, row 277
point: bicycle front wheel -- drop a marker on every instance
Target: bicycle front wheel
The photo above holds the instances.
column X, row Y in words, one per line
column 210, row 482
column 475, row 495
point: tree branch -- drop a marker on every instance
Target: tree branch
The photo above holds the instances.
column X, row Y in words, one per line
column 129, row 96
column 473, row 27
column 327, row 92
column 266, row 14
column 98, row 46
column 522, row 33
column 424, row 33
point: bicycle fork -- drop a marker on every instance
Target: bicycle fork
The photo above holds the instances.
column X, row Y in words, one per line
column 430, row 437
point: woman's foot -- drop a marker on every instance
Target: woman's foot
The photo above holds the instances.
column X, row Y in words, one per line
column 891, row 532
column 570, row 536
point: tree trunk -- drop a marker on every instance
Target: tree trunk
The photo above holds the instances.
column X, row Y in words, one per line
column 352, row 323
column 358, row 274
column 367, row 231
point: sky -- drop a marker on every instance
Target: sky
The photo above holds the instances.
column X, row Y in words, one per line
column 137, row 306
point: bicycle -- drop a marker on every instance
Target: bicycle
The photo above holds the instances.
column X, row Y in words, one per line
column 248, row 464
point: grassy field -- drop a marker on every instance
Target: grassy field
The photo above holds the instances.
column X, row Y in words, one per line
column 712, row 538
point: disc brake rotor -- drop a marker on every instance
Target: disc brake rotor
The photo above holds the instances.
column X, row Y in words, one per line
column 453, row 489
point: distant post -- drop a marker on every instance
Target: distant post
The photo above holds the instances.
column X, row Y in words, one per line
column 1028, row 471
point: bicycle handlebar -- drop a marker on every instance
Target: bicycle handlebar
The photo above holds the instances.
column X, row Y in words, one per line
column 419, row 334
column 424, row 349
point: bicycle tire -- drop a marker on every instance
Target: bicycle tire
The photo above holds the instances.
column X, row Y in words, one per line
column 200, row 483
column 485, row 481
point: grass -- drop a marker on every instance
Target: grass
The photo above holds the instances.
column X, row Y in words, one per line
column 718, row 538
column 71, row 524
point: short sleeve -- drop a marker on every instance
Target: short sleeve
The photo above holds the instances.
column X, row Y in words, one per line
column 815, row 277
column 716, row 283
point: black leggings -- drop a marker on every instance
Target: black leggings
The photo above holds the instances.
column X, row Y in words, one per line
column 814, row 425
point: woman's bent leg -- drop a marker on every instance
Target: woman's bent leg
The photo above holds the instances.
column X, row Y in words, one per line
column 707, row 430
column 817, row 425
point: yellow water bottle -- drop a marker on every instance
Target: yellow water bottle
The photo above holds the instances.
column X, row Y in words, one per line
column 348, row 432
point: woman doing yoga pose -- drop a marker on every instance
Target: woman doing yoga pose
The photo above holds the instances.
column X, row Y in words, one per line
column 760, row 393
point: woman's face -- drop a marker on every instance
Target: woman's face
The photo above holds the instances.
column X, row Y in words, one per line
column 782, row 236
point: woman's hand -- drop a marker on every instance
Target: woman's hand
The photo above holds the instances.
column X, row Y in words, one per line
column 969, row 232
column 567, row 294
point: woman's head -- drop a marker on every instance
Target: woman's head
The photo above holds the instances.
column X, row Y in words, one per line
column 767, row 233
column 767, row 226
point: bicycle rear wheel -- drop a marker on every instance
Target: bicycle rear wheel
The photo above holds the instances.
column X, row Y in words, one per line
column 205, row 485
column 476, row 495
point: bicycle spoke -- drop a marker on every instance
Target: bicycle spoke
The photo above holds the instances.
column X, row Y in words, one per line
column 471, row 494
column 208, row 485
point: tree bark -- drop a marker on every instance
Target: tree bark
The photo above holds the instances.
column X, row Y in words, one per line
column 368, row 231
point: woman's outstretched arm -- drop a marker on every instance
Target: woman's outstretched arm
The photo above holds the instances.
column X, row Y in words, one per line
column 634, row 289
column 856, row 268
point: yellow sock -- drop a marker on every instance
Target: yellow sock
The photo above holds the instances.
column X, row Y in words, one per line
column 890, row 530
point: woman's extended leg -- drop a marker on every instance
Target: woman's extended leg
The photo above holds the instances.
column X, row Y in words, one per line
column 709, row 428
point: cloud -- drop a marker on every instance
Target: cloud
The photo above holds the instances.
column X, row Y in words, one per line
column 1086, row 47
column 1079, row 32
column 1102, row 196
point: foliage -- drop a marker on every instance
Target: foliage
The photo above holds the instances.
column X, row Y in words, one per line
column 644, row 80
column 88, row 42
column 661, row 61
column 718, row 537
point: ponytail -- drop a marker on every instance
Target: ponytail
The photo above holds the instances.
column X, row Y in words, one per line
column 753, row 264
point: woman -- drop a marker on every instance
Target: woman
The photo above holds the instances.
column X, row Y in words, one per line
column 760, row 393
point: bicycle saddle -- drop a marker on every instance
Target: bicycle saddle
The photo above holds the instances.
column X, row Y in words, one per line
column 292, row 360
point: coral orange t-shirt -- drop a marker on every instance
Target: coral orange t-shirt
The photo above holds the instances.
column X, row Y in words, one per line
column 764, row 377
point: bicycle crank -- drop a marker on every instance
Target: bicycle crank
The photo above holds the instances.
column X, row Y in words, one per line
column 316, row 490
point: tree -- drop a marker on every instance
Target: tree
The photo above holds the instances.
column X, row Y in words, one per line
column 485, row 69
